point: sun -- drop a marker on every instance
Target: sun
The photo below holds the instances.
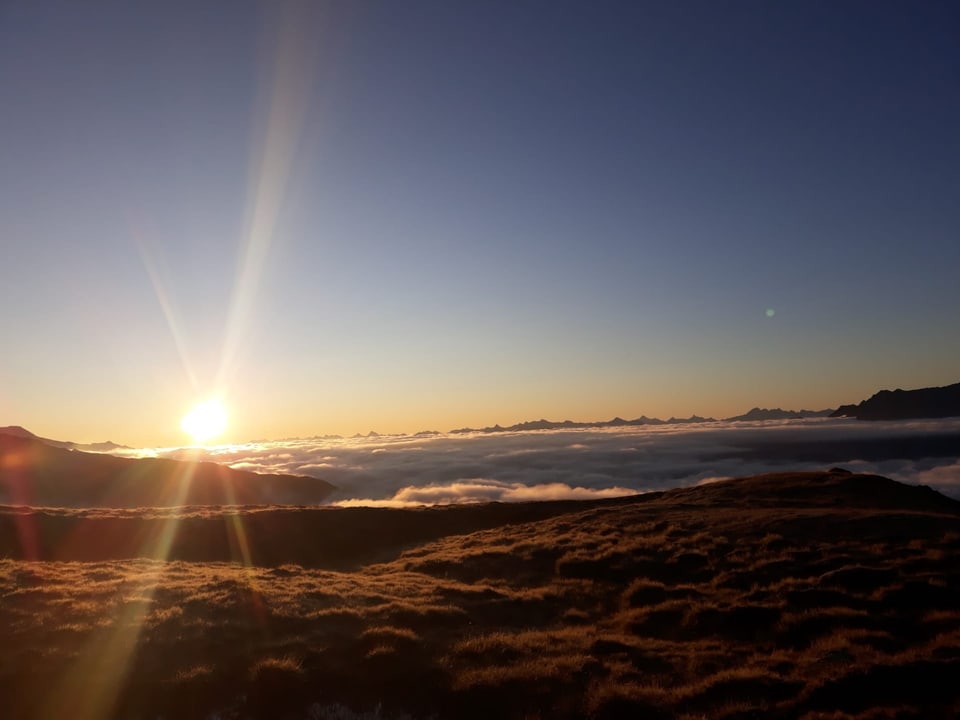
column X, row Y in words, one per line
column 206, row 421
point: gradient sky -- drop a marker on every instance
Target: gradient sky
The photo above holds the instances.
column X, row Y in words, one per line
column 399, row 216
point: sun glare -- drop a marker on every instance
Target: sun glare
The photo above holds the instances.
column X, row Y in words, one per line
column 206, row 421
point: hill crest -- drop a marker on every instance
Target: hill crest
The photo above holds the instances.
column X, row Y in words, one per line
column 35, row 473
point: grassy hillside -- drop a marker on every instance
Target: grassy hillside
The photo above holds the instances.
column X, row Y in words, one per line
column 34, row 473
column 813, row 595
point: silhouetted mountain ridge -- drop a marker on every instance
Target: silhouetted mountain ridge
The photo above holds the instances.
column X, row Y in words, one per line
column 933, row 402
column 19, row 431
column 35, row 473
column 778, row 414
column 543, row 424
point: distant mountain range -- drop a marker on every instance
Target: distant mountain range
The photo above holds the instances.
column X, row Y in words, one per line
column 571, row 425
column 778, row 414
column 33, row 472
column 935, row 402
column 107, row 446
column 754, row 414
column 938, row 402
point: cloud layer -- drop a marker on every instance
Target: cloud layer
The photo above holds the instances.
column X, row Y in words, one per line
column 508, row 467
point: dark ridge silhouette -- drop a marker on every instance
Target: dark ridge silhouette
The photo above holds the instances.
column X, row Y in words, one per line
column 19, row 431
column 935, row 402
column 778, row 414
column 33, row 472
column 845, row 411
column 543, row 424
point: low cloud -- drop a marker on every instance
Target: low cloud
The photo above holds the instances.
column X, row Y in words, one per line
column 539, row 465
column 944, row 478
column 486, row 490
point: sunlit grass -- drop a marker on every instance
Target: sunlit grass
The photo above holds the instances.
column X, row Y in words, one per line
column 638, row 609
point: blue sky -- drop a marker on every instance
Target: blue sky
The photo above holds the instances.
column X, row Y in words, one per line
column 344, row 216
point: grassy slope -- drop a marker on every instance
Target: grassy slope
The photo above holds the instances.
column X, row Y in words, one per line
column 812, row 595
column 35, row 473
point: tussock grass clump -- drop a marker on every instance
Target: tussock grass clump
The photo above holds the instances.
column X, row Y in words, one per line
column 645, row 592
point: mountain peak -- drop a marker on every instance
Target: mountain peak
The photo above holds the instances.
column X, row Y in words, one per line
column 758, row 413
column 932, row 402
column 17, row 430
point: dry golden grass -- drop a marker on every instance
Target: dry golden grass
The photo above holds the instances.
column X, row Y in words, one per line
column 797, row 596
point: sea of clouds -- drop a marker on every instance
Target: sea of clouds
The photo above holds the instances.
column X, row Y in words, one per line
column 400, row 471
